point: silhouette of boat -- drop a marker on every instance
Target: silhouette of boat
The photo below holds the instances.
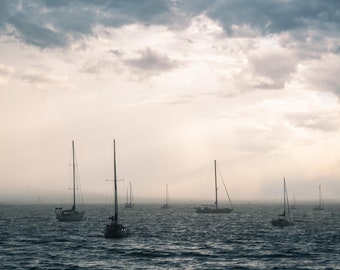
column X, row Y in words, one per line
column 284, row 219
column 166, row 205
column 71, row 214
column 214, row 209
column 294, row 203
column 320, row 206
column 115, row 229
column 129, row 200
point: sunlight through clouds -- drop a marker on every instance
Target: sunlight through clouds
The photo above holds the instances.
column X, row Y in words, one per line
column 177, row 84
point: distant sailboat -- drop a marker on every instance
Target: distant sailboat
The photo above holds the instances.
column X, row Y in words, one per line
column 129, row 200
column 167, row 201
column 115, row 229
column 284, row 219
column 321, row 204
column 294, row 203
column 210, row 209
column 71, row 214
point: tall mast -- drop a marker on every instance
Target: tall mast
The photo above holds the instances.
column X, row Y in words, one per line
column 115, row 181
column 166, row 195
column 74, row 178
column 319, row 196
column 130, row 193
column 284, row 196
column 216, row 204
column 288, row 208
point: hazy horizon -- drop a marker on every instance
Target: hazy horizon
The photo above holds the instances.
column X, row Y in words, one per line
column 178, row 84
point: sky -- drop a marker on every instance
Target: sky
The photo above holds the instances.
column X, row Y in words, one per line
column 178, row 84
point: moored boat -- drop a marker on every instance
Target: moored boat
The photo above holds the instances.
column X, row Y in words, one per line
column 214, row 209
column 115, row 229
column 71, row 214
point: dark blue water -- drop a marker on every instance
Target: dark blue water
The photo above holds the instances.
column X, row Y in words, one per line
column 178, row 238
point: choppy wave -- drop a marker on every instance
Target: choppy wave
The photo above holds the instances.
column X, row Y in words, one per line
column 176, row 238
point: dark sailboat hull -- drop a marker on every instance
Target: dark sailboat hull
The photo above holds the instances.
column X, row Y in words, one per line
column 281, row 222
column 165, row 206
column 129, row 205
column 69, row 215
column 115, row 231
column 209, row 210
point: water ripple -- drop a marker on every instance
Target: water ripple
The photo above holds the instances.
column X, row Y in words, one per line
column 177, row 238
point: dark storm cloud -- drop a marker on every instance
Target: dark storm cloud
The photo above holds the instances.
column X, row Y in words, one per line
column 48, row 24
column 271, row 16
column 34, row 34
column 4, row 11
column 55, row 23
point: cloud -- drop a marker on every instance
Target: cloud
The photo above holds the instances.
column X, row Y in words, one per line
column 5, row 73
column 116, row 52
column 176, row 100
column 151, row 62
column 274, row 16
column 271, row 67
column 4, row 12
column 322, row 121
column 98, row 66
column 40, row 79
column 322, row 74
column 34, row 34
column 49, row 23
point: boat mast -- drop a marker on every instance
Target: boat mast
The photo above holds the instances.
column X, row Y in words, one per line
column 130, row 194
column 319, row 196
column 284, row 196
column 216, row 205
column 166, row 195
column 288, row 208
column 74, row 178
column 115, row 181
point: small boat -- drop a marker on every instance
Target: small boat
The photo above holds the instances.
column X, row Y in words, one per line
column 167, row 201
column 214, row 209
column 321, row 203
column 294, row 203
column 284, row 219
column 114, row 229
column 71, row 214
column 129, row 200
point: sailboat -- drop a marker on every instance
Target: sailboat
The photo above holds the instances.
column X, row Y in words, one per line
column 129, row 201
column 294, row 203
column 71, row 214
column 114, row 229
column 284, row 219
column 211, row 209
column 320, row 206
column 167, row 201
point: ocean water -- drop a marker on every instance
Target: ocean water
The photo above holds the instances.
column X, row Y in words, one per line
column 177, row 238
